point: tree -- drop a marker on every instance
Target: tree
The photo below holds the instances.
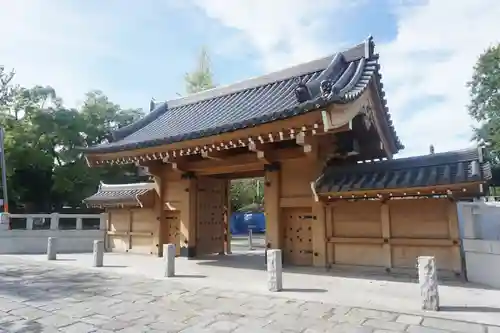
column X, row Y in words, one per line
column 45, row 170
column 201, row 78
column 484, row 89
column 6, row 88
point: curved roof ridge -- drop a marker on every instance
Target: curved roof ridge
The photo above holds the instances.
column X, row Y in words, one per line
column 318, row 64
column 125, row 187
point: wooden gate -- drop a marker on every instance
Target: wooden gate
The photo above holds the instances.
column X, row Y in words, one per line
column 298, row 236
column 173, row 236
column 211, row 203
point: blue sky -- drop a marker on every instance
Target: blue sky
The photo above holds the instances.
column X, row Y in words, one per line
column 141, row 49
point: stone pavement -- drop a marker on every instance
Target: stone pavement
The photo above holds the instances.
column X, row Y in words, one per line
column 46, row 297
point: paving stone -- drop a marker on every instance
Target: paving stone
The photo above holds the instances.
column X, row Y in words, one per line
column 409, row 319
column 29, row 313
column 452, row 325
column 386, row 325
column 115, row 325
column 223, row 326
column 350, row 328
column 89, row 301
column 96, row 319
column 375, row 314
column 80, row 327
column 55, row 320
column 422, row 329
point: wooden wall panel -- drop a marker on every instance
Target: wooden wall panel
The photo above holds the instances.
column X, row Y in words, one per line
column 421, row 218
column 393, row 234
column 172, row 230
column 359, row 254
column 296, row 181
column 119, row 223
column 297, row 225
column 406, row 256
column 357, row 219
column 143, row 220
column 174, row 191
column 211, row 203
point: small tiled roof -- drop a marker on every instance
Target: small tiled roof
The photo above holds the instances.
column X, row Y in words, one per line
column 339, row 78
column 454, row 167
column 119, row 194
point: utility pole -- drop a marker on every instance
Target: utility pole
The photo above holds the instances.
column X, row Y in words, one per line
column 4, row 172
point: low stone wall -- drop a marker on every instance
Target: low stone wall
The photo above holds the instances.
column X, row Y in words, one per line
column 35, row 241
column 482, row 258
column 30, row 232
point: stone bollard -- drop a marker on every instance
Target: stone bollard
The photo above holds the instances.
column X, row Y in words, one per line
column 169, row 255
column 52, row 248
column 250, row 239
column 274, row 270
column 98, row 253
column 427, row 278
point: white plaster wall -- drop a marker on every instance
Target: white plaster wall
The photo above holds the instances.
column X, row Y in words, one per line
column 35, row 241
column 482, row 258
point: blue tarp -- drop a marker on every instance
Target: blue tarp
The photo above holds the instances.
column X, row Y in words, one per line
column 241, row 222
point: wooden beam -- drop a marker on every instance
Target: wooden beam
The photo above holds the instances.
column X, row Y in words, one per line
column 308, row 119
column 396, row 192
column 259, row 150
column 210, row 156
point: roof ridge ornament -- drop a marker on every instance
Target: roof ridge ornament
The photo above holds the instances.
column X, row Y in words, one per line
column 302, row 92
column 369, row 47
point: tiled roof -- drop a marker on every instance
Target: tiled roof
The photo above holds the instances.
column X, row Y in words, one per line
column 454, row 167
column 121, row 194
column 339, row 78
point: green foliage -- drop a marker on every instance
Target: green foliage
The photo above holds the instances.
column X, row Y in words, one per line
column 45, row 170
column 246, row 194
column 201, row 78
column 484, row 89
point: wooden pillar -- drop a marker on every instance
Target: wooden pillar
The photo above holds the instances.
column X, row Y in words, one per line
column 319, row 235
column 129, row 229
column 319, row 232
column 385, row 217
column 274, row 228
column 229, row 212
column 453, row 229
column 188, row 210
column 159, row 170
column 330, row 232
column 161, row 225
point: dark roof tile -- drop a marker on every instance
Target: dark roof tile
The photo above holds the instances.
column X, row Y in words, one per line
column 121, row 194
column 454, row 167
column 340, row 78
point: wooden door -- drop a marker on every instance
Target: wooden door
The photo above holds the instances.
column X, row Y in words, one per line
column 211, row 201
column 172, row 220
column 298, row 236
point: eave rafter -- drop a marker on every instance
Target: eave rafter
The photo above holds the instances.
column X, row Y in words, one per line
column 215, row 151
column 452, row 191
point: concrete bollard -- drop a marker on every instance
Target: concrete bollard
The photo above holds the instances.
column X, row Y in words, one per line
column 274, row 270
column 52, row 248
column 427, row 278
column 250, row 239
column 98, row 253
column 169, row 255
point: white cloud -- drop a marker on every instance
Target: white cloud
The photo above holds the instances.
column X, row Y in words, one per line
column 436, row 46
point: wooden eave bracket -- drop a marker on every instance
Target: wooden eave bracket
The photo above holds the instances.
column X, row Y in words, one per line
column 258, row 149
column 207, row 155
column 313, row 190
column 304, row 141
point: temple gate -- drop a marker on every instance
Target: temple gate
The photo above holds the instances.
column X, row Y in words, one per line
column 321, row 135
